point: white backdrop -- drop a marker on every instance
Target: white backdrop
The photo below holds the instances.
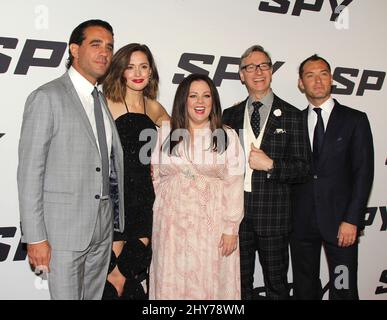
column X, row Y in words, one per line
column 210, row 30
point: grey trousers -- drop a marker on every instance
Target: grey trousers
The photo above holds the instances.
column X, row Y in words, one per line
column 81, row 275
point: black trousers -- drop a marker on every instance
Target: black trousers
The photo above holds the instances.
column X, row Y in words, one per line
column 273, row 253
column 342, row 265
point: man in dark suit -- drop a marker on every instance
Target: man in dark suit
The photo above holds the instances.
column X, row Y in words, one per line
column 271, row 133
column 329, row 208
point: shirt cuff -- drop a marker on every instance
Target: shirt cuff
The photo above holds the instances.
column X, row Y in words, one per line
column 37, row 241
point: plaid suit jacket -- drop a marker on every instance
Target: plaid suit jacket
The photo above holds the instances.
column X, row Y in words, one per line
column 268, row 206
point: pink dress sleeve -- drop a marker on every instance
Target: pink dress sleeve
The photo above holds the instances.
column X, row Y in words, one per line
column 233, row 204
column 155, row 162
column 158, row 156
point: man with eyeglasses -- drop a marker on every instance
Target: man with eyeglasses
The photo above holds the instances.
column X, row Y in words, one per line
column 273, row 137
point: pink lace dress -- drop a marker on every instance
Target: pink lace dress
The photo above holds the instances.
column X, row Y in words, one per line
column 199, row 197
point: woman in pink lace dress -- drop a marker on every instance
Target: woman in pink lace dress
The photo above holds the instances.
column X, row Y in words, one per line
column 198, row 168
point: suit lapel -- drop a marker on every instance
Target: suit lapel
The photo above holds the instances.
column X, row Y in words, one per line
column 332, row 131
column 272, row 124
column 237, row 120
column 305, row 124
column 239, row 115
column 116, row 138
column 78, row 107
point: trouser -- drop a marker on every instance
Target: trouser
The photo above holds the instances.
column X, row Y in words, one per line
column 273, row 252
column 77, row 275
column 342, row 265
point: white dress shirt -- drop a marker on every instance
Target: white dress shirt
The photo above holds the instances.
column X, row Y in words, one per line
column 84, row 89
column 326, row 109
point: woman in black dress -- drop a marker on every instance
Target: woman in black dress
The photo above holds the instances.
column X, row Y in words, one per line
column 131, row 87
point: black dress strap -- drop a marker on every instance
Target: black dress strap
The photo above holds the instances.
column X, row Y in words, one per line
column 126, row 106
column 144, row 105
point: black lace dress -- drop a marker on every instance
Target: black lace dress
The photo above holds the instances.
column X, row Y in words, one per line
column 134, row 260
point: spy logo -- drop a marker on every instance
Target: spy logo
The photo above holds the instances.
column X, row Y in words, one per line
column 383, row 279
column 346, row 79
column 188, row 62
column 283, row 7
column 29, row 56
column 7, row 241
column 371, row 213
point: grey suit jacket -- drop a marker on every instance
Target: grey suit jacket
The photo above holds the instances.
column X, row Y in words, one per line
column 57, row 174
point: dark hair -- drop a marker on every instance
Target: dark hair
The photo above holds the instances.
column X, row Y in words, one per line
column 254, row 48
column 114, row 84
column 314, row 57
column 179, row 118
column 78, row 35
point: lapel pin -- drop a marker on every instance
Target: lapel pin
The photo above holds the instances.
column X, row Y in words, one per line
column 277, row 112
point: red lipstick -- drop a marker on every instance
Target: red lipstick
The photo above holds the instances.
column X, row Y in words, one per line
column 138, row 80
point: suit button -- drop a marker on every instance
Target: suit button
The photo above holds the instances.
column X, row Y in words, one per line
column 315, row 177
column 97, row 196
column 98, row 169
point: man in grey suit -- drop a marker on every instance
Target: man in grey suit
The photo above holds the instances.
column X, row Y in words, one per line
column 68, row 146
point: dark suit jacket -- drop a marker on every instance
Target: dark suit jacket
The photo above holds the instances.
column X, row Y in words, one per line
column 338, row 186
column 268, row 205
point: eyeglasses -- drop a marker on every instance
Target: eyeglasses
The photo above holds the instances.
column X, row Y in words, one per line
column 264, row 66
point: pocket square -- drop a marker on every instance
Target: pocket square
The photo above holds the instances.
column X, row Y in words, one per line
column 279, row 131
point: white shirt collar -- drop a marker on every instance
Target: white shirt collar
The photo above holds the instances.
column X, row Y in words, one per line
column 327, row 106
column 82, row 85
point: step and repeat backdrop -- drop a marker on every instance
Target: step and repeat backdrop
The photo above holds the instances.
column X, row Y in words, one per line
column 206, row 37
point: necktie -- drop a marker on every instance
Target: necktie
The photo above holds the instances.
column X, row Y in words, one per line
column 103, row 149
column 318, row 136
column 256, row 118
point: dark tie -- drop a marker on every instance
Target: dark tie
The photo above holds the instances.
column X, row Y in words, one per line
column 256, row 118
column 318, row 136
column 103, row 149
